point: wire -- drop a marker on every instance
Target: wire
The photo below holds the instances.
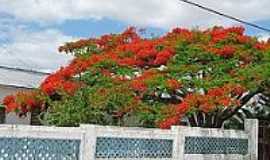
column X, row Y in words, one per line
column 24, row 70
column 226, row 15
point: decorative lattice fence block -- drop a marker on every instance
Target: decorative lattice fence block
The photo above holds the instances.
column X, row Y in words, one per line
column 39, row 149
column 108, row 147
column 210, row 145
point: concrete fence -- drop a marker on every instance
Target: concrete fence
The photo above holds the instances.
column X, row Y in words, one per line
column 92, row 142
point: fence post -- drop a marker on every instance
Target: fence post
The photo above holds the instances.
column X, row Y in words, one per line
column 179, row 142
column 89, row 147
column 251, row 127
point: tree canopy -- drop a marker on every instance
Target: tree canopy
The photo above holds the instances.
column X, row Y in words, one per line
column 198, row 77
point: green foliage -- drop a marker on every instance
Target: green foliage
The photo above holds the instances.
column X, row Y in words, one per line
column 124, row 79
column 2, row 106
column 72, row 111
column 95, row 105
column 87, row 51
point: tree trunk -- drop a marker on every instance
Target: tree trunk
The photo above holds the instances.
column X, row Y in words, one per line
column 192, row 121
column 243, row 102
column 2, row 115
column 35, row 117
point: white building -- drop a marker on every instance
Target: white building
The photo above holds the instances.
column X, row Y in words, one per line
column 13, row 80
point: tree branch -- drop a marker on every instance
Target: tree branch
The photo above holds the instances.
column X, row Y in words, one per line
column 243, row 102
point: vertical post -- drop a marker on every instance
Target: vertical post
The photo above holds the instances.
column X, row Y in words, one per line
column 179, row 142
column 89, row 148
column 251, row 127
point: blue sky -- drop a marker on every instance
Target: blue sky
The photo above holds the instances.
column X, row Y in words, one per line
column 31, row 30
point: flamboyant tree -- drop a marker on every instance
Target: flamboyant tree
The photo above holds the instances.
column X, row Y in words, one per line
column 202, row 78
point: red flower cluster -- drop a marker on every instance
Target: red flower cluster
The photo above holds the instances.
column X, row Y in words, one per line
column 261, row 46
column 138, row 85
column 61, row 79
column 173, row 84
column 182, row 33
column 22, row 102
column 9, row 101
column 243, row 39
column 215, row 98
column 173, row 118
column 168, row 122
column 163, row 56
column 219, row 33
column 226, row 51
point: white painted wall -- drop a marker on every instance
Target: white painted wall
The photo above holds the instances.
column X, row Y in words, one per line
column 88, row 135
column 13, row 80
column 12, row 118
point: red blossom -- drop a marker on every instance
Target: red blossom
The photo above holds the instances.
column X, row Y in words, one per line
column 185, row 33
column 173, row 84
column 147, row 53
column 70, row 87
column 243, row 39
column 239, row 30
column 50, row 87
column 9, row 99
column 182, row 108
column 106, row 72
column 238, row 90
column 207, row 106
column 219, row 33
column 31, row 102
column 226, row 101
column 11, row 107
column 260, row 46
column 138, row 85
column 168, row 122
column 226, row 51
column 163, row 57
column 127, row 62
column 216, row 92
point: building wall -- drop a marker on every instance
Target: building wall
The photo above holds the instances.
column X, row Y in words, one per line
column 12, row 118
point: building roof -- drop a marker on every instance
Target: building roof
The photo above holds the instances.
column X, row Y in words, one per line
column 20, row 78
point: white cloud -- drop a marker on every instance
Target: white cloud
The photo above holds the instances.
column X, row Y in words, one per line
column 158, row 13
column 34, row 50
column 38, row 49
column 264, row 36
